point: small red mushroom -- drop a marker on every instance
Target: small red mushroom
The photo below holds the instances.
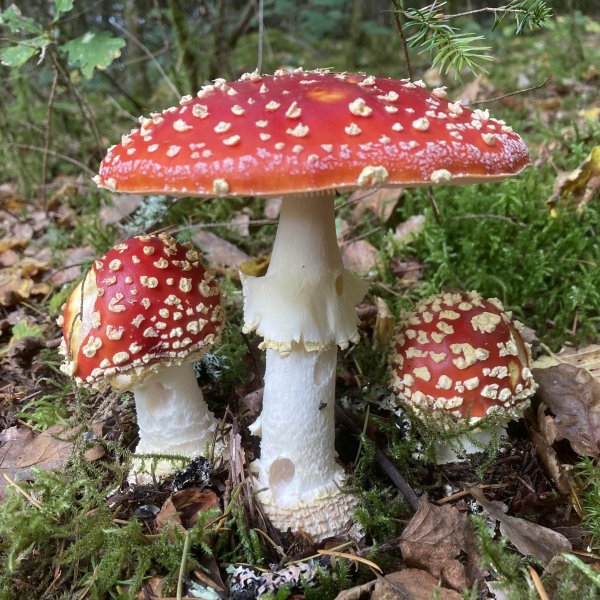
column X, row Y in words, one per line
column 142, row 313
column 460, row 358
column 304, row 135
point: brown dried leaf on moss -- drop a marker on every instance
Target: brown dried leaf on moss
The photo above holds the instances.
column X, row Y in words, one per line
column 573, row 397
column 436, row 539
column 360, row 256
column 181, row 510
column 219, row 253
column 580, row 186
column 585, row 358
column 381, row 202
column 18, row 282
column 22, row 450
column 528, row 538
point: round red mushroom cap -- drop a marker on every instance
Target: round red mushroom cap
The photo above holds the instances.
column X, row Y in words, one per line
column 296, row 132
column 147, row 303
column 462, row 355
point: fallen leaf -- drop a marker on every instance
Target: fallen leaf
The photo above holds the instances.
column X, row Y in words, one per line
column 272, row 207
column 256, row 267
column 405, row 232
column 17, row 282
column 579, row 186
column 22, row 450
column 559, row 472
column 411, row 584
column 73, row 261
column 587, row 358
column 381, row 202
column 122, row 205
column 181, row 510
column 436, row 539
column 384, row 323
column 528, row 538
column 240, row 223
column 573, row 396
column 219, row 252
column 360, row 256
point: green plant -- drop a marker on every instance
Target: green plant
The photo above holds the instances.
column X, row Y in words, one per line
column 450, row 48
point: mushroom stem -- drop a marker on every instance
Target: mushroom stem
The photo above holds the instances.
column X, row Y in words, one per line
column 172, row 414
column 304, row 308
column 307, row 296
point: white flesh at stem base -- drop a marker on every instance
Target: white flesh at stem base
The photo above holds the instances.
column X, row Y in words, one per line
column 173, row 418
column 459, row 449
column 304, row 307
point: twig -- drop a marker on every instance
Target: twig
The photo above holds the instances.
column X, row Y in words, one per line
column 149, row 55
column 382, row 460
column 184, row 555
column 516, row 92
column 399, row 20
column 26, row 495
column 54, row 153
column 434, row 206
column 493, row 217
column 261, row 33
column 47, row 136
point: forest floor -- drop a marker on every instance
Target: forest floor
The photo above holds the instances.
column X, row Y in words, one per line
column 521, row 520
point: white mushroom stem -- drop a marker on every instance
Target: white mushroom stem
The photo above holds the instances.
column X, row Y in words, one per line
column 303, row 307
column 459, row 449
column 172, row 416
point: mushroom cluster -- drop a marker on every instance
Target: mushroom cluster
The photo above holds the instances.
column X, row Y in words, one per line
column 459, row 358
column 304, row 135
column 141, row 314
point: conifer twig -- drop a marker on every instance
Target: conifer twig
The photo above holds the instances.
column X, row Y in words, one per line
column 382, row 460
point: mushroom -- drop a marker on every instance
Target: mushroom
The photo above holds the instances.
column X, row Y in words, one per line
column 458, row 359
column 141, row 314
column 304, row 135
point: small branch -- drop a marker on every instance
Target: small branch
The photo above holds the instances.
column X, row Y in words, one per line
column 184, row 555
column 522, row 91
column 64, row 157
column 399, row 20
column 382, row 460
column 493, row 217
column 261, row 33
column 149, row 55
column 47, row 135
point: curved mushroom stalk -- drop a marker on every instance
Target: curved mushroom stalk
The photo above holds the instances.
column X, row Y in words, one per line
column 304, row 308
column 173, row 418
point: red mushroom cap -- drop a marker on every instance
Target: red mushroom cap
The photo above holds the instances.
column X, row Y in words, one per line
column 462, row 355
column 146, row 304
column 309, row 131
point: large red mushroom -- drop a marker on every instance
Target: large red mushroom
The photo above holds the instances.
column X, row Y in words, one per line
column 304, row 135
column 141, row 314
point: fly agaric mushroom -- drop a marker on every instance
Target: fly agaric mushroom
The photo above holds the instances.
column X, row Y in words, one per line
column 459, row 358
column 305, row 135
column 142, row 313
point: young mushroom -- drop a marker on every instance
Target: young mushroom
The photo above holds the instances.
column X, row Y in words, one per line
column 304, row 135
column 142, row 313
column 458, row 359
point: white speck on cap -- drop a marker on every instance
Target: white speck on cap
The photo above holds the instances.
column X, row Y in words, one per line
column 440, row 175
column 372, row 175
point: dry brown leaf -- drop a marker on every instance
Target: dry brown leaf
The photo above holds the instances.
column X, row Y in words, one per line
column 434, row 540
column 360, row 256
column 181, row 510
column 384, row 322
column 406, row 231
column 579, row 186
column 381, row 202
column 72, row 265
column 10, row 243
column 219, row 253
column 22, row 450
column 122, row 206
column 573, row 396
column 240, row 222
column 413, row 584
column 272, row 207
column 559, row 472
column 17, row 282
column 528, row 538
column 586, row 358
